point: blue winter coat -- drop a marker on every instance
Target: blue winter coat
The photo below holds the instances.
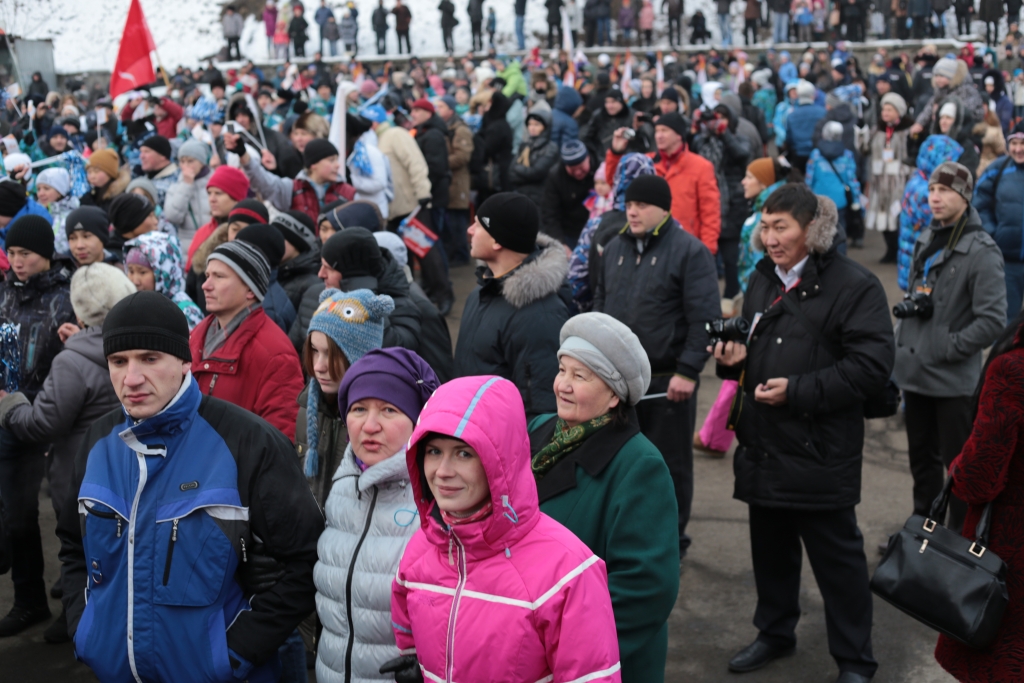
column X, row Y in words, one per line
column 821, row 177
column 278, row 305
column 916, row 215
column 1003, row 216
column 800, row 128
column 31, row 208
column 563, row 126
column 164, row 511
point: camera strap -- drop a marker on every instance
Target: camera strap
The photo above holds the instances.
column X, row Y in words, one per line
column 954, row 237
column 793, row 307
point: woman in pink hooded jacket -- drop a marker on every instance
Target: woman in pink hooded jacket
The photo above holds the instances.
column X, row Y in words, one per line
column 490, row 588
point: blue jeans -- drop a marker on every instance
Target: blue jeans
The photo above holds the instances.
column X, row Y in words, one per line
column 293, row 659
column 780, row 30
column 1014, row 274
column 21, row 472
column 723, row 26
column 520, row 36
column 604, row 31
column 625, row 35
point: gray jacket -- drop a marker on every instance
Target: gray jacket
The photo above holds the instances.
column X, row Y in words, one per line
column 371, row 516
column 187, row 208
column 941, row 357
column 75, row 393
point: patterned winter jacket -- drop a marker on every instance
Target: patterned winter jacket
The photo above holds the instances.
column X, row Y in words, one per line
column 40, row 305
column 916, row 214
column 164, row 257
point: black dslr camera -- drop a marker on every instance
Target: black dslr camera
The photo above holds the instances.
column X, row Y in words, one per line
column 731, row 330
column 915, row 305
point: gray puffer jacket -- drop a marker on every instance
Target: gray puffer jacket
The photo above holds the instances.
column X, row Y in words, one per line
column 76, row 392
column 941, row 356
column 371, row 516
column 187, row 208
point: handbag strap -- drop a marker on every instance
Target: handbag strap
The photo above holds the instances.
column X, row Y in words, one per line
column 941, row 503
column 846, row 188
column 794, row 308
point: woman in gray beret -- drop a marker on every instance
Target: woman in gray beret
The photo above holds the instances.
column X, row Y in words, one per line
column 600, row 477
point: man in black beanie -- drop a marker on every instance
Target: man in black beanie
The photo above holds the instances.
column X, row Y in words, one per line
column 35, row 295
column 669, row 319
column 155, row 162
column 88, row 231
column 352, row 259
column 512, row 320
column 132, row 215
column 205, row 481
column 276, row 303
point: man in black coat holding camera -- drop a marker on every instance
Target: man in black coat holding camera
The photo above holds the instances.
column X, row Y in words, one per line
column 661, row 281
column 801, row 426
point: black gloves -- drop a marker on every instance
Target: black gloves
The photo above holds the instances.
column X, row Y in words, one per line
column 259, row 572
column 406, row 669
column 425, row 203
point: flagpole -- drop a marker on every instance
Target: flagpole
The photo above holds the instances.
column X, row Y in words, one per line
column 160, row 65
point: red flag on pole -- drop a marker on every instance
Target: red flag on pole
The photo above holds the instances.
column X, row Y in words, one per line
column 133, row 68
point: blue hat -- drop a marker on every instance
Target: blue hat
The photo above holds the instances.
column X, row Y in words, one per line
column 355, row 322
column 57, row 130
column 573, row 152
column 451, row 103
column 374, row 113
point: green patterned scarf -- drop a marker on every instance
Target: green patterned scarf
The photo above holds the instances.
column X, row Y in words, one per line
column 565, row 440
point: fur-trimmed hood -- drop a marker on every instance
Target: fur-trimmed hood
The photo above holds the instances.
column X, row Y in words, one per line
column 118, row 185
column 540, row 275
column 203, row 251
column 821, row 232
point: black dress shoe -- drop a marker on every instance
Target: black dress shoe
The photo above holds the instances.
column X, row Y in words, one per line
column 757, row 655
column 851, row 677
column 20, row 618
column 57, row 632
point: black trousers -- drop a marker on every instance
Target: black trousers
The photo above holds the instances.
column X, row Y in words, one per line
column 675, row 30
column 729, row 248
column 669, row 426
column 553, row 31
column 937, row 429
column 21, row 472
column 300, row 46
column 233, row 43
column 835, row 549
column 382, row 43
column 478, row 37
column 401, row 35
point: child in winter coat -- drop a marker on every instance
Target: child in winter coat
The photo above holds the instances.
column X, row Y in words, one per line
column 699, row 28
column 646, row 23
column 53, row 192
column 153, row 263
column 831, row 169
column 626, row 19
column 281, row 40
column 469, row 465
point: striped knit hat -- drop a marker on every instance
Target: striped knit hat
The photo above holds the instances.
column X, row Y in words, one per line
column 249, row 264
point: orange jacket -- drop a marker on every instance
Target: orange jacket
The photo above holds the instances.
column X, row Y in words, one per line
column 695, row 199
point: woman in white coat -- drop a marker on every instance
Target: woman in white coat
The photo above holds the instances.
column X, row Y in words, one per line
column 370, row 513
column 369, row 170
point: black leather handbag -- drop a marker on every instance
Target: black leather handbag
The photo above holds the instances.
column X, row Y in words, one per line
column 953, row 585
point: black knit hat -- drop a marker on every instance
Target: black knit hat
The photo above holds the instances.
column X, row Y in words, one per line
column 159, row 144
column 676, row 122
column 249, row 211
column 128, row 211
column 146, row 321
column 650, row 189
column 91, row 219
column 249, row 264
column 512, row 220
column 13, row 197
column 316, row 150
column 353, row 252
column 33, row 233
column 268, row 239
column 355, row 214
column 297, row 228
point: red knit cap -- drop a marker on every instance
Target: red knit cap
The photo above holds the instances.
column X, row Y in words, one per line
column 424, row 104
column 231, row 181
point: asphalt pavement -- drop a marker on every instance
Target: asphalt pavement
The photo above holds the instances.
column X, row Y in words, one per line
column 712, row 618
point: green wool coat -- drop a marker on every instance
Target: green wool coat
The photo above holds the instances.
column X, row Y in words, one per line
column 615, row 493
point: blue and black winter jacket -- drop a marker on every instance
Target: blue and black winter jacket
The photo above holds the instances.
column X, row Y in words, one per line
column 164, row 512
column 1002, row 214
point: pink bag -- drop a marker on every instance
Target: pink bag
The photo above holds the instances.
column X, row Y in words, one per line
column 714, row 434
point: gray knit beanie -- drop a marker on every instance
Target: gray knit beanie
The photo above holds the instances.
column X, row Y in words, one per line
column 611, row 350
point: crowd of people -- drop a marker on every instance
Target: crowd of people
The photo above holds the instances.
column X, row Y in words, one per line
column 226, row 347
column 629, row 22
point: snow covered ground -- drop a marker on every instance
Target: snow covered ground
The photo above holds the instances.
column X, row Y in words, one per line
column 86, row 33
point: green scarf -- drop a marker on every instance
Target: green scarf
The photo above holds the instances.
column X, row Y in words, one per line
column 565, row 440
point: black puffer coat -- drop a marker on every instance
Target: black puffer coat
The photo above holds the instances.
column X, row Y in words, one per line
column 492, row 149
column 531, row 166
column 665, row 293
column 510, row 325
column 297, row 277
column 562, row 213
column 432, row 137
column 807, row 453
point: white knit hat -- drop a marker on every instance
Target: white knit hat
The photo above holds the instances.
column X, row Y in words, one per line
column 804, row 92
column 948, row 109
column 95, row 289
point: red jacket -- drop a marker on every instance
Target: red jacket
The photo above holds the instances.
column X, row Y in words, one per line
column 304, row 197
column 696, row 203
column 167, row 126
column 256, row 369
